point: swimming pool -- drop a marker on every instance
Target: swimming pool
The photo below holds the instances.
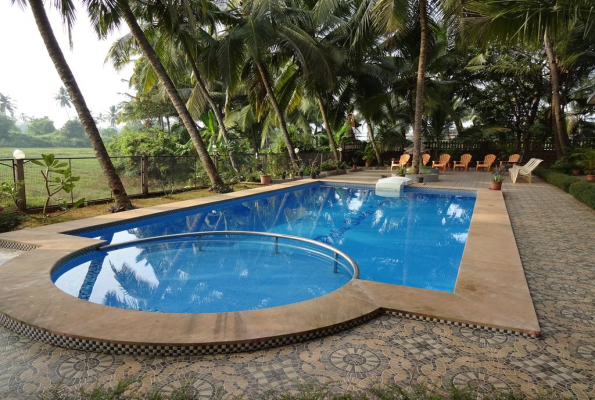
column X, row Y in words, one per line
column 415, row 240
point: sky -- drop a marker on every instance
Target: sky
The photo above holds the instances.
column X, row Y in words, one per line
column 29, row 77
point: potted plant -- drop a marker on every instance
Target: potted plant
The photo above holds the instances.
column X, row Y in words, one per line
column 400, row 171
column 496, row 182
column 369, row 155
column 314, row 174
column 265, row 179
column 586, row 160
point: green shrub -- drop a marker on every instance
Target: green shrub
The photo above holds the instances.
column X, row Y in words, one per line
column 584, row 191
column 563, row 181
column 564, row 167
column 10, row 220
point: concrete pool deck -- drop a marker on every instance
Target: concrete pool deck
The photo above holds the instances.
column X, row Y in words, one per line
column 558, row 262
column 491, row 293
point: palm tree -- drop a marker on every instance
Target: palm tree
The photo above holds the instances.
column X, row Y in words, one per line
column 533, row 23
column 55, row 53
column 106, row 15
column 111, row 116
column 268, row 31
column 7, row 105
column 63, row 100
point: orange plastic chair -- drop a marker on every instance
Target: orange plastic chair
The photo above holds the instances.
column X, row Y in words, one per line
column 512, row 159
column 442, row 162
column 464, row 163
column 402, row 162
column 425, row 159
column 486, row 163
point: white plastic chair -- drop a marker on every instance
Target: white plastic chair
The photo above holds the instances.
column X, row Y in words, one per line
column 524, row 170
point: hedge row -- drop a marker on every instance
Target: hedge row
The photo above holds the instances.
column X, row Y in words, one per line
column 582, row 190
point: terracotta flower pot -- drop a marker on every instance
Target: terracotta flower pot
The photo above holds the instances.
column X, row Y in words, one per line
column 265, row 179
column 496, row 186
column 576, row 171
column 401, row 175
column 368, row 163
column 591, row 178
column 313, row 175
column 355, row 167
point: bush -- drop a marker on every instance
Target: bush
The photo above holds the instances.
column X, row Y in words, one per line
column 584, row 191
column 9, row 220
column 564, row 167
column 563, row 181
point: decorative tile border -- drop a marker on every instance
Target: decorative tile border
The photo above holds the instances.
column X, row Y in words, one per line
column 463, row 324
column 151, row 350
column 5, row 244
column 157, row 350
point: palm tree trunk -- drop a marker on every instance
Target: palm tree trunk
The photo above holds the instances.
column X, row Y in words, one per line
column 373, row 141
column 55, row 53
column 174, row 96
column 214, row 106
column 419, row 93
column 277, row 108
column 329, row 131
column 559, row 117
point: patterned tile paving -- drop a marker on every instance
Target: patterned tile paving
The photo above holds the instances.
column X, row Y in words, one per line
column 558, row 258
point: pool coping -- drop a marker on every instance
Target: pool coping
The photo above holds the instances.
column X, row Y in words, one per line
column 491, row 293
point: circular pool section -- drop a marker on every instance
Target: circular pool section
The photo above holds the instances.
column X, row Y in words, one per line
column 206, row 272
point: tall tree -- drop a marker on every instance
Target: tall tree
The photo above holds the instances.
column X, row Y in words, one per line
column 7, row 105
column 111, row 116
column 55, row 53
column 533, row 23
column 63, row 100
column 107, row 15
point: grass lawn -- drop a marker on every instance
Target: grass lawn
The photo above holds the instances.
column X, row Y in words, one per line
column 36, row 152
column 35, row 220
column 163, row 172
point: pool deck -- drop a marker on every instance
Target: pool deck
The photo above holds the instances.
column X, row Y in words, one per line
column 396, row 349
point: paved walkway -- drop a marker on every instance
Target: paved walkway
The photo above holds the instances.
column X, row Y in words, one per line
column 555, row 238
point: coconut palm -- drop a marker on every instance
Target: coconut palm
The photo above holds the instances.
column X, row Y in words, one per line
column 533, row 23
column 45, row 29
column 267, row 31
column 111, row 116
column 106, row 15
column 7, row 105
column 63, row 100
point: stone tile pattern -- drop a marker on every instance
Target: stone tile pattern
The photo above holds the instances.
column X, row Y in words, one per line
column 558, row 260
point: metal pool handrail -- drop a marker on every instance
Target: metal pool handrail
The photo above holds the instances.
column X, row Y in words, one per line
column 336, row 251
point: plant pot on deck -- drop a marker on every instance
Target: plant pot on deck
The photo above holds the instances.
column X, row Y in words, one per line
column 265, row 179
column 591, row 178
column 496, row 186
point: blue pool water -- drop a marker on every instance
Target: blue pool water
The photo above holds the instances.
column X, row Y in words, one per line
column 415, row 240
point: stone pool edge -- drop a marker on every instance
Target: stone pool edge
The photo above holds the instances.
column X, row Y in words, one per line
column 64, row 320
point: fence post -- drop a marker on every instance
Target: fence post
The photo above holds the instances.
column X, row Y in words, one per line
column 144, row 176
column 18, row 168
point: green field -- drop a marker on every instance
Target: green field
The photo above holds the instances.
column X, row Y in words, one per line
column 6, row 152
column 92, row 185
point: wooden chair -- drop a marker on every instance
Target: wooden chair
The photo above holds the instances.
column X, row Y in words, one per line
column 525, row 171
column 442, row 162
column 486, row 163
column 512, row 159
column 425, row 159
column 464, row 163
column 402, row 162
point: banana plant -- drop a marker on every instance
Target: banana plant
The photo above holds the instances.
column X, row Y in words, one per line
column 58, row 178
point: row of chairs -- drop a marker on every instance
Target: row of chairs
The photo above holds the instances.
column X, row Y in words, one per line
column 464, row 162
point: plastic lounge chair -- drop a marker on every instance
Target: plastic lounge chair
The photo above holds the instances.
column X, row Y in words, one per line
column 442, row 162
column 402, row 162
column 464, row 163
column 525, row 171
column 486, row 163
column 425, row 159
column 512, row 159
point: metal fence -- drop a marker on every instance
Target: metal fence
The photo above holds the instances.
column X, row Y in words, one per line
column 163, row 174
